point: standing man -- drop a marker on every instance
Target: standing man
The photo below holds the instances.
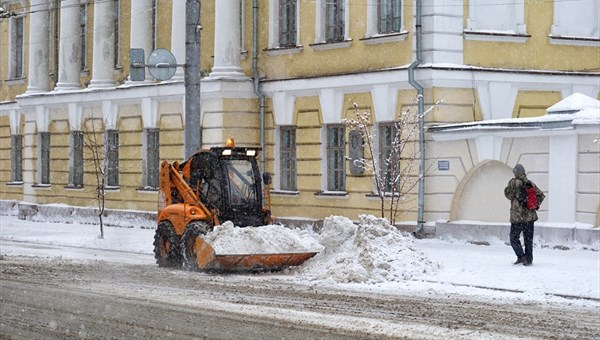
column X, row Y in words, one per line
column 522, row 213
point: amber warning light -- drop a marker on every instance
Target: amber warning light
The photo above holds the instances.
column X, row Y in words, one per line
column 230, row 143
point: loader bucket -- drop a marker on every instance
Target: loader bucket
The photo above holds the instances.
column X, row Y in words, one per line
column 208, row 260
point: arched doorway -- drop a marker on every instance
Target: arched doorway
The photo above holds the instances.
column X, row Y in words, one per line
column 480, row 195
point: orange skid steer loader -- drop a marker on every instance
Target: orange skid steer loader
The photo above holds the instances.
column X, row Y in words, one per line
column 211, row 187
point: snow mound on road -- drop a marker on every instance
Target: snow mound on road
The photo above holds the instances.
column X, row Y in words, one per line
column 269, row 239
column 371, row 252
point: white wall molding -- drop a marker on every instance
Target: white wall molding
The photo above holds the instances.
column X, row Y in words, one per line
column 14, row 117
column 109, row 114
column 385, row 102
column 75, row 117
column 562, row 178
column 331, row 105
column 283, row 105
column 42, row 118
column 149, row 113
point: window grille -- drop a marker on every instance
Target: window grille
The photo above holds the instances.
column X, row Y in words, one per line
column 336, row 157
column 389, row 157
column 44, row 157
column 112, row 157
column 16, row 154
column 288, row 158
column 76, row 169
column 152, row 157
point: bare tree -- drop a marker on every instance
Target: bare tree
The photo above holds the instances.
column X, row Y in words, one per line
column 393, row 172
column 95, row 146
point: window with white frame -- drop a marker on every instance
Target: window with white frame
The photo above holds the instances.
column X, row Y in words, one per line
column 16, row 155
column 576, row 19
column 111, row 157
column 83, row 17
column 287, row 156
column 496, row 18
column 335, row 20
column 336, row 158
column 287, row 23
column 16, row 48
column 150, row 167
column 283, row 24
column 43, row 161
column 388, row 153
column 389, row 16
column 76, row 160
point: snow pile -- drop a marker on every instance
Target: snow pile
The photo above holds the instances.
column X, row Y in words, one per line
column 270, row 239
column 371, row 252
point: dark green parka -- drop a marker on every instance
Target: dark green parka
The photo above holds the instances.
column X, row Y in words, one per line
column 514, row 192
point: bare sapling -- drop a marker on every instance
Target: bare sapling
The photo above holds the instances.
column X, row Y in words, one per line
column 395, row 169
column 95, row 147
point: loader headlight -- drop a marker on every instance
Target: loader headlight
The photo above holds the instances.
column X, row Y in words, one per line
column 226, row 152
column 251, row 153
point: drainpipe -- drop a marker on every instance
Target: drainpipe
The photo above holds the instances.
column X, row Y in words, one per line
column 411, row 79
column 256, row 80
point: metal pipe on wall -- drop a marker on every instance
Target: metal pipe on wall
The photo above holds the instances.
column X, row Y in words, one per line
column 419, row 88
column 256, row 81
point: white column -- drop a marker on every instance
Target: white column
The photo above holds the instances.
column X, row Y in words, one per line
column 141, row 28
column 562, row 178
column 38, row 76
column 178, row 36
column 69, row 57
column 227, row 40
column 103, row 49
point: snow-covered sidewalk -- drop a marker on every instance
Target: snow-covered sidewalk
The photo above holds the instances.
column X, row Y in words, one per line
column 460, row 267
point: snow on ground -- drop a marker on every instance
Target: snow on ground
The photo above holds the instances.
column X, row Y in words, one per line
column 269, row 239
column 369, row 256
column 372, row 251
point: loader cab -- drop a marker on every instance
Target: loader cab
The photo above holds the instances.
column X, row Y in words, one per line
column 242, row 194
column 228, row 182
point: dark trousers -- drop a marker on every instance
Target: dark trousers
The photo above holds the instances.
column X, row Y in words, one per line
column 515, row 239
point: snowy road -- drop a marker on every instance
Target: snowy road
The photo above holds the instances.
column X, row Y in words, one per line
column 50, row 297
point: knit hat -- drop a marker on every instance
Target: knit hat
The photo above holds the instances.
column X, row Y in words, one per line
column 519, row 170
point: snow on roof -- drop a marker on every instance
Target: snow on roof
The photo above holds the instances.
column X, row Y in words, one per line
column 576, row 109
column 573, row 103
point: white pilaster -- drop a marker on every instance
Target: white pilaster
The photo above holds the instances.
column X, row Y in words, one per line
column 227, row 41
column 15, row 122
column 149, row 113
column 442, row 31
column 283, row 106
column 109, row 114
column 38, row 76
column 178, row 36
column 562, row 178
column 75, row 117
column 332, row 102
column 497, row 99
column 385, row 100
column 70, row 47
column 141, row 29
column 103, row 49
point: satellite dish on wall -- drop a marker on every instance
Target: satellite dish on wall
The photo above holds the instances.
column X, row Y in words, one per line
column 162, row 64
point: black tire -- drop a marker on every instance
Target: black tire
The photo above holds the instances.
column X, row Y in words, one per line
column 193, row 230
column 166, row 246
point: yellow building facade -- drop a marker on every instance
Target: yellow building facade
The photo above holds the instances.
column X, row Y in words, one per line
column 283, row 75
